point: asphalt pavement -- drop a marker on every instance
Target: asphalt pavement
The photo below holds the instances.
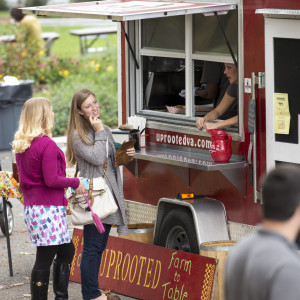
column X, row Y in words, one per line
column 23, row 255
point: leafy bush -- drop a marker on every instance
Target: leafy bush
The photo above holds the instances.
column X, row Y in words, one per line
column 2, row 5
column 29, row 3
column 19, row 59
column 98, row 75
column 25, row 60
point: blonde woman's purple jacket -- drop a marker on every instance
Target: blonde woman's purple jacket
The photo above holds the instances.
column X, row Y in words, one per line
column 42, row 176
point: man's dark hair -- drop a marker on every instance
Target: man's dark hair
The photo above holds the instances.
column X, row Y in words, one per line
column 281, row 192
column 17, row 14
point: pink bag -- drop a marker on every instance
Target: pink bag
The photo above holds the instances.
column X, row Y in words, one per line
column 96, row 219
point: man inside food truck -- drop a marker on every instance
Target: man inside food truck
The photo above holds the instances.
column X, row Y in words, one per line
column 213, row 84
column 226, row 110
column 215, row 80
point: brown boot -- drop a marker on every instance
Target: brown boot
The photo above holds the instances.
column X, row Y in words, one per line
column 105, row 291
column 113, row 297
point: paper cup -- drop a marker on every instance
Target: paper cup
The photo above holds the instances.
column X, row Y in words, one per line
column 143, row 140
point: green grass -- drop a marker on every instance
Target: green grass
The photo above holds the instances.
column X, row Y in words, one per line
column 68, row 45
column 4, row 14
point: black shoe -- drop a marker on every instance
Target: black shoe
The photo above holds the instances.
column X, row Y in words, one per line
column 61, row 274
column 39, row 284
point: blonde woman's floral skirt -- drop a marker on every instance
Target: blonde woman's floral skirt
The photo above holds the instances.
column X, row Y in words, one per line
column 46, row 225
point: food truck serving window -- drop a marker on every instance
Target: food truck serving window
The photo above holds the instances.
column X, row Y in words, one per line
column 179, row 58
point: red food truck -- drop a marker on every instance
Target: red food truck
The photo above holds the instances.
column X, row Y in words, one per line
column 163, row 45
column 162, row 49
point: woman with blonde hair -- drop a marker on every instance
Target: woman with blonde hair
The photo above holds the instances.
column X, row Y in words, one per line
column 86, row 146
column 41, row 166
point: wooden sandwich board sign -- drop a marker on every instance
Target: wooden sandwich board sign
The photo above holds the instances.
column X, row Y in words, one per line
column 147, row 272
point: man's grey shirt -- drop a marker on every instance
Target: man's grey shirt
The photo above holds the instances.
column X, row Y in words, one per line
column 263, row 266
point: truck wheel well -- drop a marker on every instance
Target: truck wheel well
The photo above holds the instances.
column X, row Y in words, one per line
column 175, row 229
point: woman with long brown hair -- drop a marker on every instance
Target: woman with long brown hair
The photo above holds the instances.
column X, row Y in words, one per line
column 86, row 146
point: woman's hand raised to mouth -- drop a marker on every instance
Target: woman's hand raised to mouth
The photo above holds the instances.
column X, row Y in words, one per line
column 96, row 123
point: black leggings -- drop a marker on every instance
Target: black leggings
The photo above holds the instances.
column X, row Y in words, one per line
column 45, row 255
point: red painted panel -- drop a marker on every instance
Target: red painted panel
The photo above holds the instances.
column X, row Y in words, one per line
column 149, row 272
column 123, row 76
column 157, row 180
column 254, row 61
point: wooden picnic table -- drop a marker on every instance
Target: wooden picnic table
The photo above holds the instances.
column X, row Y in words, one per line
column 88, row 36
column 48, row 37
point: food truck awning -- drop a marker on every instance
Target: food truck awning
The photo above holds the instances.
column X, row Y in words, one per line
column 128, row 10
column 279, row 13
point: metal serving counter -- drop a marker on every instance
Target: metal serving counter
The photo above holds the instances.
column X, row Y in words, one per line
column 234, row 170
column 188, row 159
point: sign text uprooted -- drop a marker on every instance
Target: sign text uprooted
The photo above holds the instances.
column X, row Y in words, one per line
column 149, row 272
column 131, row 268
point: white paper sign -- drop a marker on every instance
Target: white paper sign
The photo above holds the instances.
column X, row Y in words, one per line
column 247, row 85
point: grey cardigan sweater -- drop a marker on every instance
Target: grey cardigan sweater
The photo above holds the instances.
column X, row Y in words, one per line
column 90, row 161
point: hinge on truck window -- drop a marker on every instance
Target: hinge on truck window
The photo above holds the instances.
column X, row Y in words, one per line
column 260, row 80
column 259, row 197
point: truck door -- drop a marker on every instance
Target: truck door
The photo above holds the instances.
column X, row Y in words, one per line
column 282, row 61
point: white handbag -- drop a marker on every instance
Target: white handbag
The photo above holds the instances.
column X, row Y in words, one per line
column 101, row 199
